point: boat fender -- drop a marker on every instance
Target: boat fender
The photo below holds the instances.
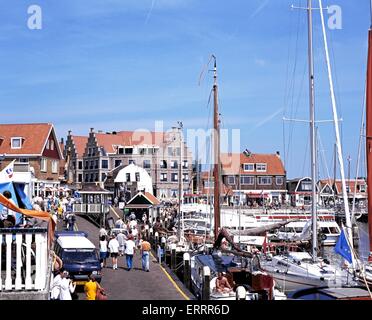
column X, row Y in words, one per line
column 241, row 293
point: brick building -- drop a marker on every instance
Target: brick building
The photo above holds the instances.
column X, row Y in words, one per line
column 36, row 149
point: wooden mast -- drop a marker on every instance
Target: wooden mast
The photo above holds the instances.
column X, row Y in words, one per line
column 369, row 138
column 216, row 138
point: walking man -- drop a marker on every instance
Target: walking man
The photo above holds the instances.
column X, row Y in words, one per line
column 114, row 251
column 129, row 252
column 145, row 251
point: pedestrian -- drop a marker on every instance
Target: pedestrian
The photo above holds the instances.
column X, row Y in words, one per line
column 102, row 232
column 91, row 287
column 103, row 253
column 67, row 287
column 114, row 251
column 129, row 252
column 121, row 239
column 145, row 251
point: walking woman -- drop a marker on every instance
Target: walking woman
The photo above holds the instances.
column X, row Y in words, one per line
column 129, row 251
column 103, row 253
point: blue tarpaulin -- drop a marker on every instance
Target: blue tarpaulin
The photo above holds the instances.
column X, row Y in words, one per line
column 18, row 196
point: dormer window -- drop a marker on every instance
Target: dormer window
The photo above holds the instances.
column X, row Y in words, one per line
column 261, row 167
column 16, row 143
column 248, row 167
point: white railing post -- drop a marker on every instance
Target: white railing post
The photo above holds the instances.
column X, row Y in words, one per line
column 1, row 261
column 18, row 280
column 8, row 279
column 43, row 260
column 38, row 276
column 28, row 282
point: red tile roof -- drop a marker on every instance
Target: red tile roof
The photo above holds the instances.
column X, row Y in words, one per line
column 350, row 183
column 80, row 144
column 151, row 198
column 129, row 138
column 233, row 164
column 35, row 136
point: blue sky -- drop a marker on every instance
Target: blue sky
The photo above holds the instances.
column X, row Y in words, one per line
column 122, row 64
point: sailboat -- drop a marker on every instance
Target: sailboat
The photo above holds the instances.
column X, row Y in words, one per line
column 298, row 270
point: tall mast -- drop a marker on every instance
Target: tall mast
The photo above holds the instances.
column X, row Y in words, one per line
column 312, row 133
column 369, row 136
column 216, row 138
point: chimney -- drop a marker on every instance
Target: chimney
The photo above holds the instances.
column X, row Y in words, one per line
column 62, row 141
column 278, row 154
column 92, row 130
column 69, row 132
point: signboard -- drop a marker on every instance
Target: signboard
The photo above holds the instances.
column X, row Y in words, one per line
column 121, row 205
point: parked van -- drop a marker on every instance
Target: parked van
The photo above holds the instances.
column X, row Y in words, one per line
column 79, row 255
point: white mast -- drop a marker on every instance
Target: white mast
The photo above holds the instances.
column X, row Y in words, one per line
column 337, row 132
column 312, row 133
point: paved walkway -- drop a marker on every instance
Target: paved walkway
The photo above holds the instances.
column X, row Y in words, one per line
column 136, row 284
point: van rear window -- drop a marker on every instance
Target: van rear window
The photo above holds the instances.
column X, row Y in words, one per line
column 80, row 256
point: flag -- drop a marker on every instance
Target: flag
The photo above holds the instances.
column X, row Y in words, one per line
column 6, row 175
column 342, row 247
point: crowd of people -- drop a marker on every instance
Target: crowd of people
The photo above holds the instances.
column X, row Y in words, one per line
column 125, row 241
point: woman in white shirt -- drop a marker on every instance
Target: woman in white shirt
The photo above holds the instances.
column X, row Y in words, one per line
column 114, row 251
column 129, row 251
column 103, row 252
column 67, row 287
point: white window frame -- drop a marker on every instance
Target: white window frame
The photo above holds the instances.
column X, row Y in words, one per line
column 261, row 164
column 163, row 177
column 20, row 142
column 51, row 146
column 247, row 184
column 175, row 175
column 54, row 166
column 185, row 177
column 276, row 181
column 264, row 184
column 43, row 165
column 248, row 164
column 229, row 180
column 363, row 188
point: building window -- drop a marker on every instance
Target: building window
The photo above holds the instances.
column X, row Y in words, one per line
column 279, row 181
column 132, row 162
column 146, row 164
column 231, row 180
column 86, row 164
column 96, row 177
column 306, row 186
column 43, row 165
column 249, row 167
column 264, row 181
column 185, row 164
column 362, row 188
column 347, row 188
column 128, row 150
column 261, row 167
column 141, row 151
column 163, row 177
column 208, row 184
column 91, row 177
column 80, row 177
column 117, row 163
column 103, row 177
column 163, row 164
column 246, row 180
column 185, row 177
column 174, row 164
column 174, row 193
column 163, row 193
column 96, row 164
column 92, row 165
column 80, row 164
column 22, row 160
column 104, row 164
column 51, row 144
column 178, row 151
column 86, row 178
column 137, row 176
column 54, row 166
column 89, row 151
column 16, row 143
column 127, row 177
column 170, row 151
column 174, row 177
